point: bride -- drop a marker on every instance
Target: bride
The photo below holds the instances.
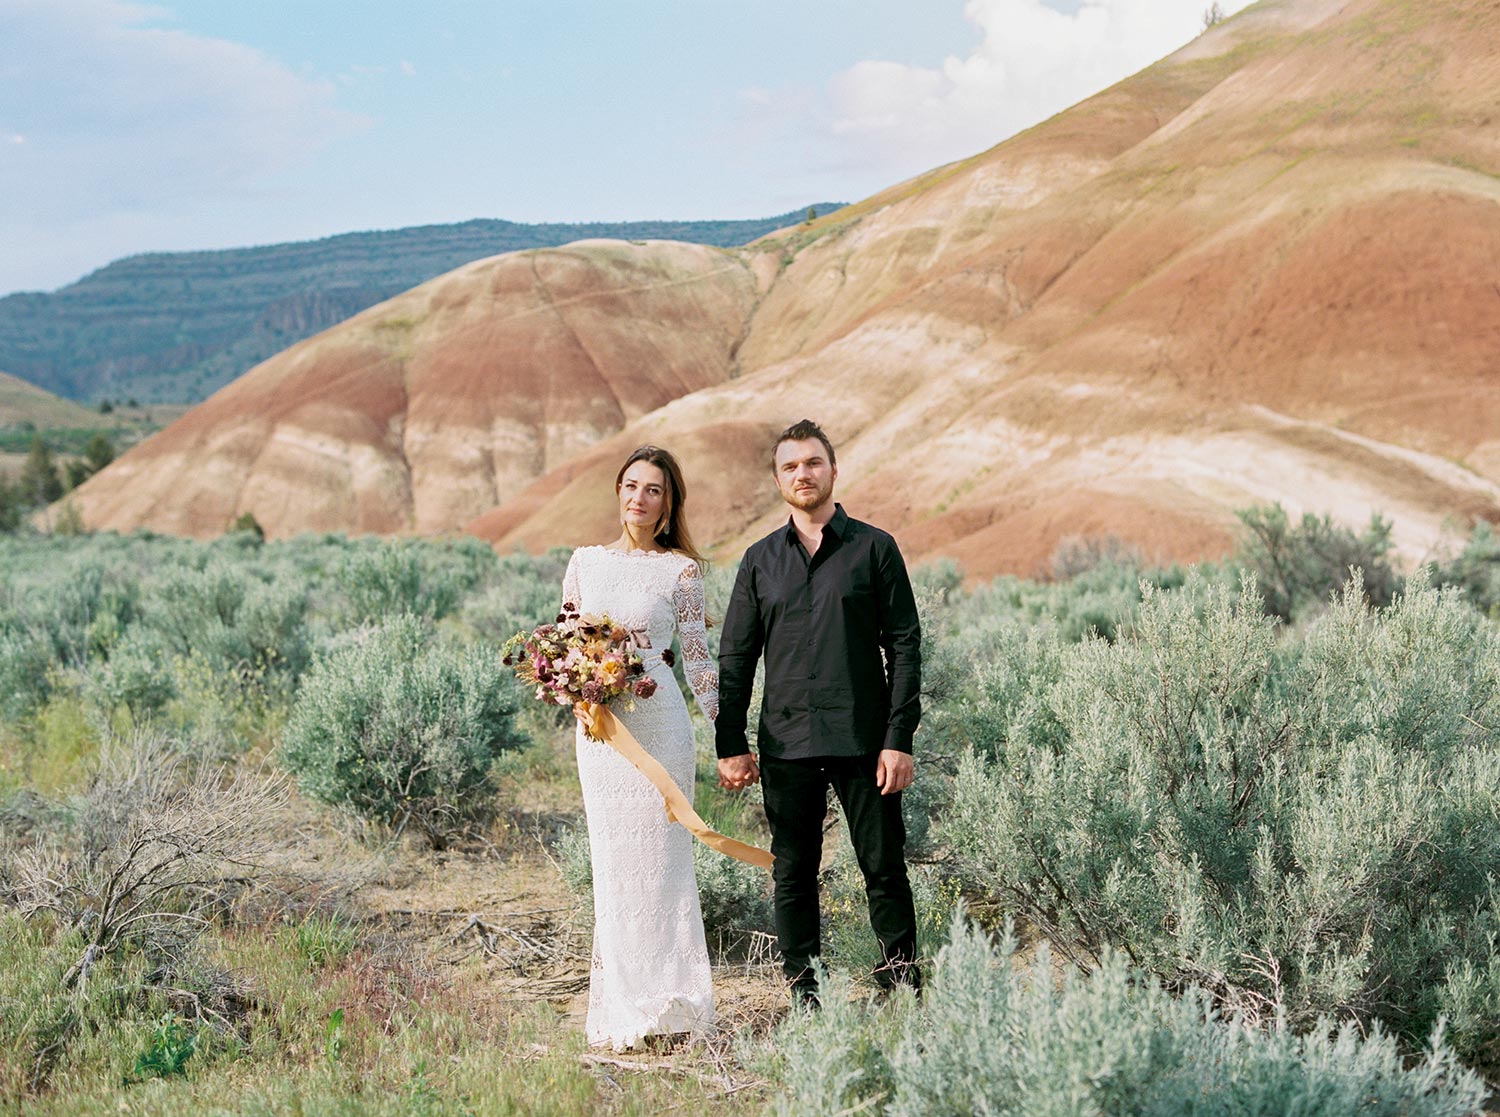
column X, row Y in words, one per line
column 650, row 973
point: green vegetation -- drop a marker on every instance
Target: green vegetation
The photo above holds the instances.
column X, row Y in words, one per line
column 39, row 482
column 397, row 731
column 1235, row 863
column 990, row 1038
column 1298, row 569
column 177, row 326
column 1245, row 809
column 57, row 460
column 71, row 441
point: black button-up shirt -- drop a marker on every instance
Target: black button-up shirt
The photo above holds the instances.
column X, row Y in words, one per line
column 822, row 624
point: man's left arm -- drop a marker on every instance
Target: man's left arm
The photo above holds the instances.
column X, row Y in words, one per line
column 901, row 638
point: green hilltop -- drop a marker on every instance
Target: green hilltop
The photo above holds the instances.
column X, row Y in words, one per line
column 177, row 326
column 23, row 403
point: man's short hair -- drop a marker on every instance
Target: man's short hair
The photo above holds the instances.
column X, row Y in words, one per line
column 801, row 431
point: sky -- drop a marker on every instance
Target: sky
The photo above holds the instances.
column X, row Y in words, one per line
column 186, row 124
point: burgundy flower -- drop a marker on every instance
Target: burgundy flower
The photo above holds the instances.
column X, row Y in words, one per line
column 595, row 693
column 668, row 658
column 645, row 688
column 569, row 607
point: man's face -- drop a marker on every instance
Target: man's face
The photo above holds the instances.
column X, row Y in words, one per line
column 804, row 474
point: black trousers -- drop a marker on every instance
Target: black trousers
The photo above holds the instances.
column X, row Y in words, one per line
column 796, row 796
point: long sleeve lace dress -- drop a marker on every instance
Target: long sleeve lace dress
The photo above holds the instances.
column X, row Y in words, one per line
column 650, row 972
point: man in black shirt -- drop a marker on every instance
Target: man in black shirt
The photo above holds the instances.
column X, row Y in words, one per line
column 822, row 598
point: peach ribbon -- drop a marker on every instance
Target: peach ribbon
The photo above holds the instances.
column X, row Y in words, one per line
column 601, row 725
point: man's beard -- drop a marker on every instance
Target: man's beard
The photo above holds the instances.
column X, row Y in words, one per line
column 809, row 500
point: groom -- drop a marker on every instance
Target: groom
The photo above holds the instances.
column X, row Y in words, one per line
column 821, row 599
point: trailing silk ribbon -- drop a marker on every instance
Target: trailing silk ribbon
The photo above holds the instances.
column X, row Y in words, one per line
column 601, row 725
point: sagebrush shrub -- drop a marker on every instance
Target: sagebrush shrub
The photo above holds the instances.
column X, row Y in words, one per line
column 735, row 897
column 1476, row 569
column 1304, row 827
column 228, row 619
column 1470, row 1001
column 53, row 617
column 24, row 666
column 137, row 675
column 519, row 593
column 390, row 577
column 573, row 861
column 989, row 1038
column 1300, row 567
column 396, row 728
column 145, row 850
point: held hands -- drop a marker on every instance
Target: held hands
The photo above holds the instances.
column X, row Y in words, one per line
column 893, row 771
column 738, row 772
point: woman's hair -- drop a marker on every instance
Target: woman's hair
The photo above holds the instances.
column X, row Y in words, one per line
column 672, row 531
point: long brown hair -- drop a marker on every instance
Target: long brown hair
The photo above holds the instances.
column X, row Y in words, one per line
column 672, row 532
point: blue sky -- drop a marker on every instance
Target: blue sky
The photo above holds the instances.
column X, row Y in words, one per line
column 128, row 127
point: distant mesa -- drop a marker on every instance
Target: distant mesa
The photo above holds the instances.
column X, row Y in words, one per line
column 175, row 327
column 1261, row 269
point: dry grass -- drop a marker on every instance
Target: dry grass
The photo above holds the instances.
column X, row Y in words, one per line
column 325, row 972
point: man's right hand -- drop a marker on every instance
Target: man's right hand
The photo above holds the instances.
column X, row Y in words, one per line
column 738, row 772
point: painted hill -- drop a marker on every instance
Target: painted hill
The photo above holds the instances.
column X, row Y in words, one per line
column 422, row 412
column 176, row 326
column 1262, row 269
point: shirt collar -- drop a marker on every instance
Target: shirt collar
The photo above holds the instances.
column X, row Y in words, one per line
column 839, row 525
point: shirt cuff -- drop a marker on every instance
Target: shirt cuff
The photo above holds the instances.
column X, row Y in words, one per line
column 728, row 743
column 898, row 739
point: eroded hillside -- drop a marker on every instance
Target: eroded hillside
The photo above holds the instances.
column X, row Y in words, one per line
column 1261, row 269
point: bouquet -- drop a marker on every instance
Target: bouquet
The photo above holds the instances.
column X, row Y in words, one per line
column 588, row 661
column 580, row 657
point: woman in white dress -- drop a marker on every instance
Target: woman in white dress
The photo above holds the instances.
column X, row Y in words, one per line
column 650, row 972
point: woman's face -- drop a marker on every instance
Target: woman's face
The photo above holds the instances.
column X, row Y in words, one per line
column 643, row 496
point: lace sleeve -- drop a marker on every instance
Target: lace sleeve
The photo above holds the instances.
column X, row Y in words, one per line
column 697, row 664
column 570, row 593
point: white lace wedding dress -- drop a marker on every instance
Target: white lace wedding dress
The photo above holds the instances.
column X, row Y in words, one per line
column 650, row 973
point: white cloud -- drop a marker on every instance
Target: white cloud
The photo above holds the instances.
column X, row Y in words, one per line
column 126, row 116
column 1033, row 61
column 18, row 138
column 408, row 69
